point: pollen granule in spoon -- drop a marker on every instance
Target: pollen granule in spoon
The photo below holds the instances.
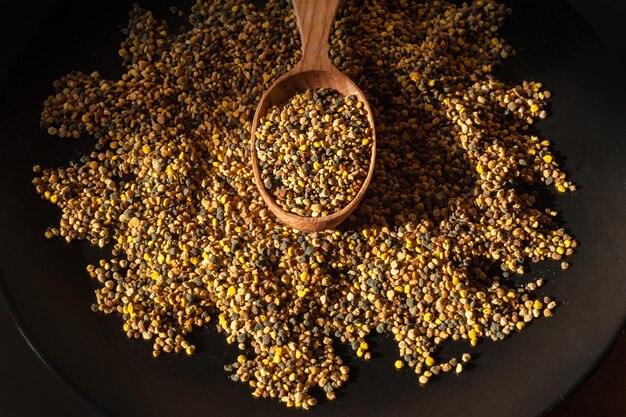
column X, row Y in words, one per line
column 314, row 151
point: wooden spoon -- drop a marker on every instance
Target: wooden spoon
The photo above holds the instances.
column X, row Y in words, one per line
column 315, row 70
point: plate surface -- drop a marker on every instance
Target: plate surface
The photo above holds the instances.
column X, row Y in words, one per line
column 525, row 375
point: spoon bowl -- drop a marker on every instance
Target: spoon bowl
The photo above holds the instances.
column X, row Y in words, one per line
column 314, row 71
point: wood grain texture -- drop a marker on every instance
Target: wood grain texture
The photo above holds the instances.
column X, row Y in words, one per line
column 315, row 70
column 315, row 19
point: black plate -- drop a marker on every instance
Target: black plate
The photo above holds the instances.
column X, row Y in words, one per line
column 525, row 375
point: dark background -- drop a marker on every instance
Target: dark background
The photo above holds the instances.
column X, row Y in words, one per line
column 28, row 388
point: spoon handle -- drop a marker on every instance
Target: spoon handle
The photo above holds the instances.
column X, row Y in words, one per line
column 315, row 19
